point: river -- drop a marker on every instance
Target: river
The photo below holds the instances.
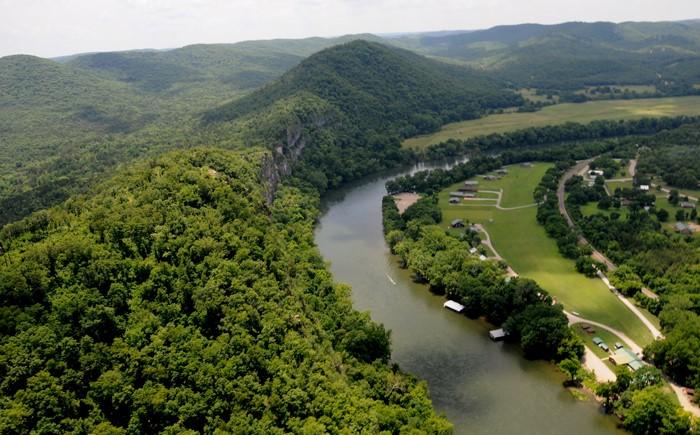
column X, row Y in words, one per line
column 481, row 386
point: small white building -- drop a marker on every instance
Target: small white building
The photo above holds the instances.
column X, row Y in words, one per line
column 596, row 172
column 497, row 334
column 454, row 306
column 482, row 257
column 644, row 187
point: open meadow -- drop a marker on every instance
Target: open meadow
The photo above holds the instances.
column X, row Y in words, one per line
column 524, row 244
column 560, row 114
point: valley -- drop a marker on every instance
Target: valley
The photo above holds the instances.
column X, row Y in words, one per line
column 259, row 237
column 559, row 114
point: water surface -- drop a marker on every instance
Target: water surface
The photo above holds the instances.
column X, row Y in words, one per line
column 481, row 386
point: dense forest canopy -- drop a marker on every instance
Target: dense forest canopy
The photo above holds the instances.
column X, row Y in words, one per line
column 570, row 56
column 90, row 114
column 378, row 87
column 185, row 293
column 174, row 299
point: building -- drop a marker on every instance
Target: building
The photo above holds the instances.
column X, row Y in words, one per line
column 457, row 223
column 683, row 228
column 596, row 172
column 644, row 187
column 527, row 165
column 686, row 204
column 490, row 177
column 454, row 200
column 624, row 357
column 502, row 171
column 454, row 306
column 497, row 334
column 471, row 186
column 463, row 193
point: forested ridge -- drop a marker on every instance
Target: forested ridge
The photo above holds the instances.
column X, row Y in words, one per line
column 176, row 299
column 72, row 122
column 573, row 55
column 185, row 293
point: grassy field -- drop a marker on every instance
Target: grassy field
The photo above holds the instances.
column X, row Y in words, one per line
column 561, row 113
column 518, row 237
column 609, row 338
column 612, row 185
column 531, row 94
column 592, row 208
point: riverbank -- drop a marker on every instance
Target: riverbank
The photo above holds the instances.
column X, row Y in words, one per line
column 525, row 246
column 482, row 387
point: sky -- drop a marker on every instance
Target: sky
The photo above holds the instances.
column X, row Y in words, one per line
column 51, row 28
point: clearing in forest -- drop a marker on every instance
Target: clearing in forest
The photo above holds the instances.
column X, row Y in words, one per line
column 559, row 114
column 528, row 249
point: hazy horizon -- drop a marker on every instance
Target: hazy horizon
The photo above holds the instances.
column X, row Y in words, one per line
column 67, row 27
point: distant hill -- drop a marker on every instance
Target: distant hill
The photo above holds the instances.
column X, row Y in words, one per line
column 341, row 113
column 574, row 55
column 28, row 82
column 230, row 67
column 377, row 86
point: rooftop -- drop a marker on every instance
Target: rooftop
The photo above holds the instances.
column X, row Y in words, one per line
column 454, row 306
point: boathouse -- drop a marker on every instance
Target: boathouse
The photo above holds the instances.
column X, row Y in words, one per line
column 454, row 306
column 497, row 334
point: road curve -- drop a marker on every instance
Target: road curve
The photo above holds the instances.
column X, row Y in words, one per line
column 561, row 196
column 683, row 398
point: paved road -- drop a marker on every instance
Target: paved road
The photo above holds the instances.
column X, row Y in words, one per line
column 561, row 196
column 497, row 204
column 596, row 365
column 683, row 398
column 487, row 241
column 573, row 319
column 591, row 360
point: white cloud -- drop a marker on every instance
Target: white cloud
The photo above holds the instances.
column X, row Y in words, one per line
column 58, row 27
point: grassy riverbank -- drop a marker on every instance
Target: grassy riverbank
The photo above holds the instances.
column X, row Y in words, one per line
column 523, row 243
column 560, row 114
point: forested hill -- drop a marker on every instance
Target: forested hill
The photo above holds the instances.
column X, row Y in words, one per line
column 199, row 69
column 379, row 87
column 341, row 113
column 175, row 299
column 573, row 55
column 36, row 93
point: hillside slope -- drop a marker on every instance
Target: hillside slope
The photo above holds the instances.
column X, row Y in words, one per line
column 377, row 86
column 574, row 55
column 341, row 113
column 206, row 70
column 175, row 299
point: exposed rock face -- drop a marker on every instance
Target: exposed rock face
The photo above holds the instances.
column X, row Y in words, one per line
column 279, row 163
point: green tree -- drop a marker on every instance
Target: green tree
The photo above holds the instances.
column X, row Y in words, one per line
column 652, row 412
column 573, row 369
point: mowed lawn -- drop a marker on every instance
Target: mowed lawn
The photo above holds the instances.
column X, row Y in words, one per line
column 559, row 114
column 518, row 186
column 518, row 237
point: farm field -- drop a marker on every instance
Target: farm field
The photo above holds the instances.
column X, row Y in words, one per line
column 523, row 243
column 559, row 114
